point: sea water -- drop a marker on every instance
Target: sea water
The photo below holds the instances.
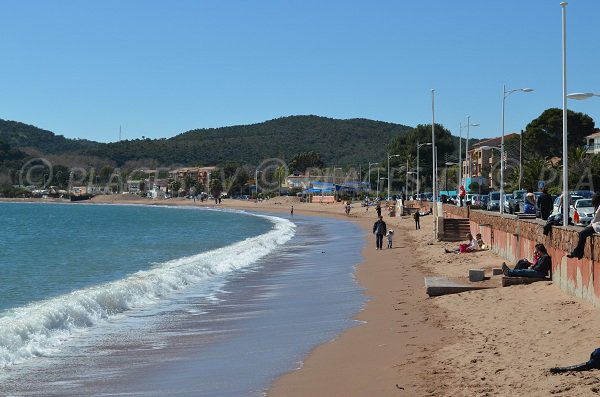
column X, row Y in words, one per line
column 143, row 300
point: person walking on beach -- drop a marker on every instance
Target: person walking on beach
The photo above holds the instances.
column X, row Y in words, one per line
column 292, row 211
column 379, row 229
column 390, row 238
column 417, row 217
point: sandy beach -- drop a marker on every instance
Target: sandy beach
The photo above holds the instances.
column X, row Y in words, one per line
column 493, row 342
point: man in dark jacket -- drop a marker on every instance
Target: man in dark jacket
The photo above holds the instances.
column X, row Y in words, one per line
column 545, row 203
column 379, row 229
column 540, row 268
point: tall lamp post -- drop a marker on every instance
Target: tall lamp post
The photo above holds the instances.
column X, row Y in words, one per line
column 419, row 165
column 388, row 171
column 565, row 161
column 378, row 168
column 448, row 163
column 256, row 183
column 370, row 164
column 467, row 126
column 505, row 94
column 407, row 173
column 378, row 180
column 579, row 96
column 434, row 188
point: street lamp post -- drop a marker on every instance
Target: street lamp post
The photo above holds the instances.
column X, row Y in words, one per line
column 446, row 174
column 434, row 187
column 419, row 165
column 370, row 164
column 388, row 172
column 379, row 180
column 505, row 94
column 467, row 126
column 256, row 183
column 406, row 185
column 578, row 96
column 378, row 168
column 565, row 161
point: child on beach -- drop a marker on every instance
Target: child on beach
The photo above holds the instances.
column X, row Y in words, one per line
column 471, row 246
column 390, row 238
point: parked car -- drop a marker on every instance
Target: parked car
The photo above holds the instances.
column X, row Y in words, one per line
column 493, row 201
column 508, row 203
column 516, row 198
column 476, row 201
column 583, row 193
column 558, row 202
column 483, row 201
column 583, row 212
column 469, row 198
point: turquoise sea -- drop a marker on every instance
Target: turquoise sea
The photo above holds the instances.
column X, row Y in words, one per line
column 157, row 301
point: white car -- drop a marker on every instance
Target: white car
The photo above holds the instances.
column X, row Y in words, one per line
column 582, row 212
column 558, row 203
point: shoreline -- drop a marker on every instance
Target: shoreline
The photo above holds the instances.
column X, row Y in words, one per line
column 498, row 341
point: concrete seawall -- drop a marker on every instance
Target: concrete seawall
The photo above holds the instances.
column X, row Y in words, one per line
column 513, row 239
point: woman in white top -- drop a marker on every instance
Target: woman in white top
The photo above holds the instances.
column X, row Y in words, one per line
column 473, row 245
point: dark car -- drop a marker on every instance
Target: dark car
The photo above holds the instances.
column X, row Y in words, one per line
column 493, row 201
column 483, row 201
column 514, row 203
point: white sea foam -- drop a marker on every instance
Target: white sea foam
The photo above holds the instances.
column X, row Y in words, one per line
column 40, row 329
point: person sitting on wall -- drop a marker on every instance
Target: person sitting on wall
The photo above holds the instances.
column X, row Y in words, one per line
column 593, row 227
column 539, row 269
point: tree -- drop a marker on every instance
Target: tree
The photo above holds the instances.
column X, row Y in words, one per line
column 215, row 186
column 233, row 177
column 175, row 186
column 189, row 183
column 280, row 173
column 406, row 146
column 302, row 161
column 543, row 136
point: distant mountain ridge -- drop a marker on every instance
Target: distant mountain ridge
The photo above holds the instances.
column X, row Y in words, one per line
column 340, row 142
column 20, row 135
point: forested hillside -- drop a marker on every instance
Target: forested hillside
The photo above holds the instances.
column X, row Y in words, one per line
column 340, row 142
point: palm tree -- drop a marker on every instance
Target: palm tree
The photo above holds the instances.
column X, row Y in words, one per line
column 280, row 173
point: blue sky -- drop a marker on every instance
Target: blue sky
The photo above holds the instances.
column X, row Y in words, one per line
column 82, row 69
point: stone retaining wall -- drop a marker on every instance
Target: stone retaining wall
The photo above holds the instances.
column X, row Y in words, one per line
column 514, row 239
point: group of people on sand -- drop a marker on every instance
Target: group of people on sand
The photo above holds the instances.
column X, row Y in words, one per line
column 539, row 267
column 380, row 230
column 541, row 263
column 473, row 244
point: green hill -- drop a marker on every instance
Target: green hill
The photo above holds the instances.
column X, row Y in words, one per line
column 20, row 135
column 339, row 142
